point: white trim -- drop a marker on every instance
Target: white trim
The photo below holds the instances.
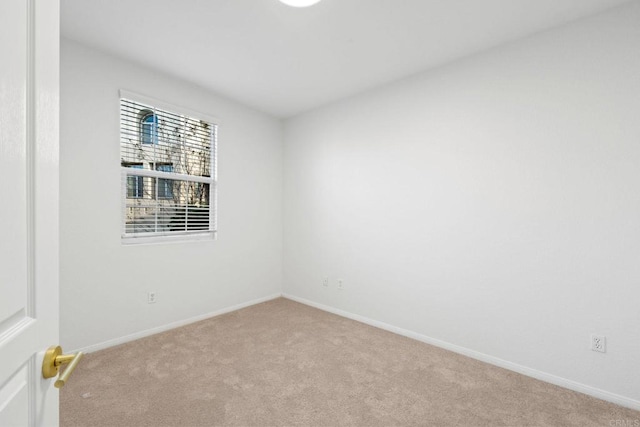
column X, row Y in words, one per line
column 174, row 108
column 167, row 175
column 46, row 164
column 539, row 375
column 148, row 332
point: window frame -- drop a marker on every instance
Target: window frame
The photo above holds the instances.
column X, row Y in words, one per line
column 159, row 237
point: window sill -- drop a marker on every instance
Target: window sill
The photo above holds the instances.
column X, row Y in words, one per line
column 183, row 238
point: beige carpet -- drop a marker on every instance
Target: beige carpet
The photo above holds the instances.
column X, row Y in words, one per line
column 282, row 363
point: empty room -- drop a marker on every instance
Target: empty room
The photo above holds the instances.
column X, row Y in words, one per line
column 320, row 213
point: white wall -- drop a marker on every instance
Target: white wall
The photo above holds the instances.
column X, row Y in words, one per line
column 103, row 283
column 493, row 204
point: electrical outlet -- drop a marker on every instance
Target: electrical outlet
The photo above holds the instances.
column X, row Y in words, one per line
column 152, row 297
column 325, row 282
column 599, row 343
column 340, row 284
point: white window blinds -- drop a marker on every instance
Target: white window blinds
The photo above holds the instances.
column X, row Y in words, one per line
column 168, row 163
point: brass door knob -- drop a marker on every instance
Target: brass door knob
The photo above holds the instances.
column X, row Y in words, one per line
column 53, row 359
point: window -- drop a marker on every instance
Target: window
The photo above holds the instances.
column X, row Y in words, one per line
column 148, row 127
column 168, row 163
column 165, row 186
column 135, row 184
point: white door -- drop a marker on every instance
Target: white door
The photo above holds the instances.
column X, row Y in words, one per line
column 29, row 69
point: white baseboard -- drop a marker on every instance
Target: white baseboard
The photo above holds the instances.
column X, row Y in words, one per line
column 543, row 376
column 173, row 325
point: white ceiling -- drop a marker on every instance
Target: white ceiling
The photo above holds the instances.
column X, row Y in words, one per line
column 285, row 60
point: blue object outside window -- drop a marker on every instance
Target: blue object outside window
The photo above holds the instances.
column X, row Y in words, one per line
column 149, row 128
